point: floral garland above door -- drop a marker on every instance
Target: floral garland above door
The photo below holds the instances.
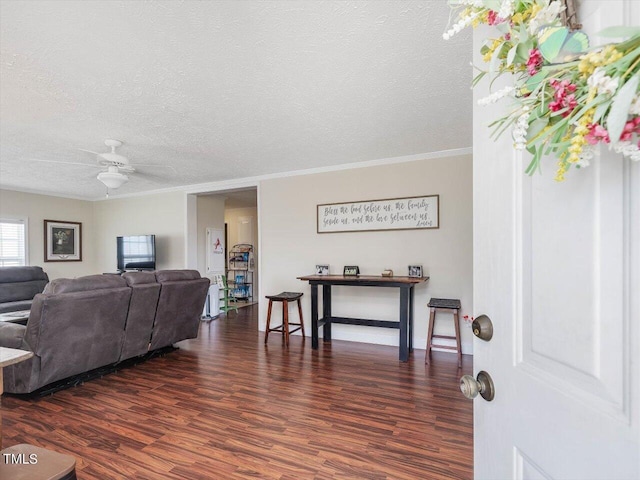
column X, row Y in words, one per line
column 568, row 97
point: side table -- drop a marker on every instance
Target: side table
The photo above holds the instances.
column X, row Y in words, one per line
column 28, row 462
column 20, row 316
column 9, row 356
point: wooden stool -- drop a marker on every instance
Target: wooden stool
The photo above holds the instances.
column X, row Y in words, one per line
column 28, row 462
column 450, row 306
column 285, row 298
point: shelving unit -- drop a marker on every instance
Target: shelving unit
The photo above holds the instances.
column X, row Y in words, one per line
column 240, row 272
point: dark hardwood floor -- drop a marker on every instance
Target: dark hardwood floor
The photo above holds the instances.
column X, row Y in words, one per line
column 228, row 406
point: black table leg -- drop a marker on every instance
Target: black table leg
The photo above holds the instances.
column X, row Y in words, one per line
column 326, row 312
column 314, row 316
column 411, row 319
column 404, row 324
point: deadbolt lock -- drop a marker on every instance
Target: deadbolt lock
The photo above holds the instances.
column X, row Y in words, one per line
column 483, row 385
column 482, row 328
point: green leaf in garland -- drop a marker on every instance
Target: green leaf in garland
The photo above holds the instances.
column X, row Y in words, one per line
column 617, row 117
column 494, row 65
column 601, row 109
column 533, row 82
column 493, row 4
column 619, row 32
column 535, row 128
column 522, row 50
column 511, row 55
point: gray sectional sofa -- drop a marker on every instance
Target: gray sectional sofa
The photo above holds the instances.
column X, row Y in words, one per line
column 18, row 286
column 77, row 325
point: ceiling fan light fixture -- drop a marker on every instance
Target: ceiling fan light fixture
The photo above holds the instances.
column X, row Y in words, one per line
column 113, row 179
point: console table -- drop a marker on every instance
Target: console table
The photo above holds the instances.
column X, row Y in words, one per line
column 405, row 325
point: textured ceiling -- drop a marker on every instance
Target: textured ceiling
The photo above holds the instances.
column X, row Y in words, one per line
column 224, row 89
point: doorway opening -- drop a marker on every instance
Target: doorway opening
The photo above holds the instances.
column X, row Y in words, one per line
column 222, row 239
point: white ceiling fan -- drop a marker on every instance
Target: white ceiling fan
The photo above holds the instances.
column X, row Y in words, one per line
column 117, row 166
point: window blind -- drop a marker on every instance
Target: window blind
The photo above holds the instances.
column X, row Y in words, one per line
column 12, row 243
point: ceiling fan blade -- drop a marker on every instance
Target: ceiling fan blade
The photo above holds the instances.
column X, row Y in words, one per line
column 89, row 151
column 154, row 166
column 150, row 176
column 63, row 163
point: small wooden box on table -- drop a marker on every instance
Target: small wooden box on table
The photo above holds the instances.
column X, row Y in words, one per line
column 405, row 323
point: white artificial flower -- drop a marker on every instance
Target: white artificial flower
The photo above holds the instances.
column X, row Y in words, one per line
column 609, row 85
column 585, row 156
column 494, row 97
column 628, row 149
column 507, row 9
column 597, row 75
column 520, row 130
column 459, row 26
column 546, row 16
column 602, row 83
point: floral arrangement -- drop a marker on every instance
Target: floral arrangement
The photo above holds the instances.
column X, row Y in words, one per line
column 568, row 97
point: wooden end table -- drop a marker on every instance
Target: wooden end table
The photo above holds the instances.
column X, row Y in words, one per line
column 49, row 465
column 21, row 316
column 9, row 356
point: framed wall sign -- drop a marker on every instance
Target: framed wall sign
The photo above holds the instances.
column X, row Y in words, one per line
column 62, row 241
column 407, row 213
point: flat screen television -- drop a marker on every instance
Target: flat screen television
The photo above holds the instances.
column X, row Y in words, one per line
column 137, row 252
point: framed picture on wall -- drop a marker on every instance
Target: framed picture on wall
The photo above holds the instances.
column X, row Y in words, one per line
column 62, row 241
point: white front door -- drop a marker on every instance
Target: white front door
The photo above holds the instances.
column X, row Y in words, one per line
column 557, row 270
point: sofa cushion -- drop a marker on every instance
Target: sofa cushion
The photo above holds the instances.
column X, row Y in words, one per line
column 78, row 331
column 15, row 306
column 142, row 312
column 179, row 309
column 137, row 278
column 84, row 284
column 11, row 334
column 176, row 275
column 15, row 291
column 22, row 274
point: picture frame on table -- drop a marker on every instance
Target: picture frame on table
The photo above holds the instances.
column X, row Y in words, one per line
column 415, row 271
column 322, row 269
column 351, row 271
column 62, row 241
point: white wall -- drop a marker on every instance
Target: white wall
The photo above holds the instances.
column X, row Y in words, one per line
column 210, row 215
column 163, row 215
column 231, row 217
column 38, row 208
column 291, row 247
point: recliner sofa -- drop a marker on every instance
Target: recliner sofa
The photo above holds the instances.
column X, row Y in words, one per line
column 18, row 286
column 77, row 325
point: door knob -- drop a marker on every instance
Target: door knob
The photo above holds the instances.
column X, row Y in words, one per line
column 482, row 328
column 483, row 385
